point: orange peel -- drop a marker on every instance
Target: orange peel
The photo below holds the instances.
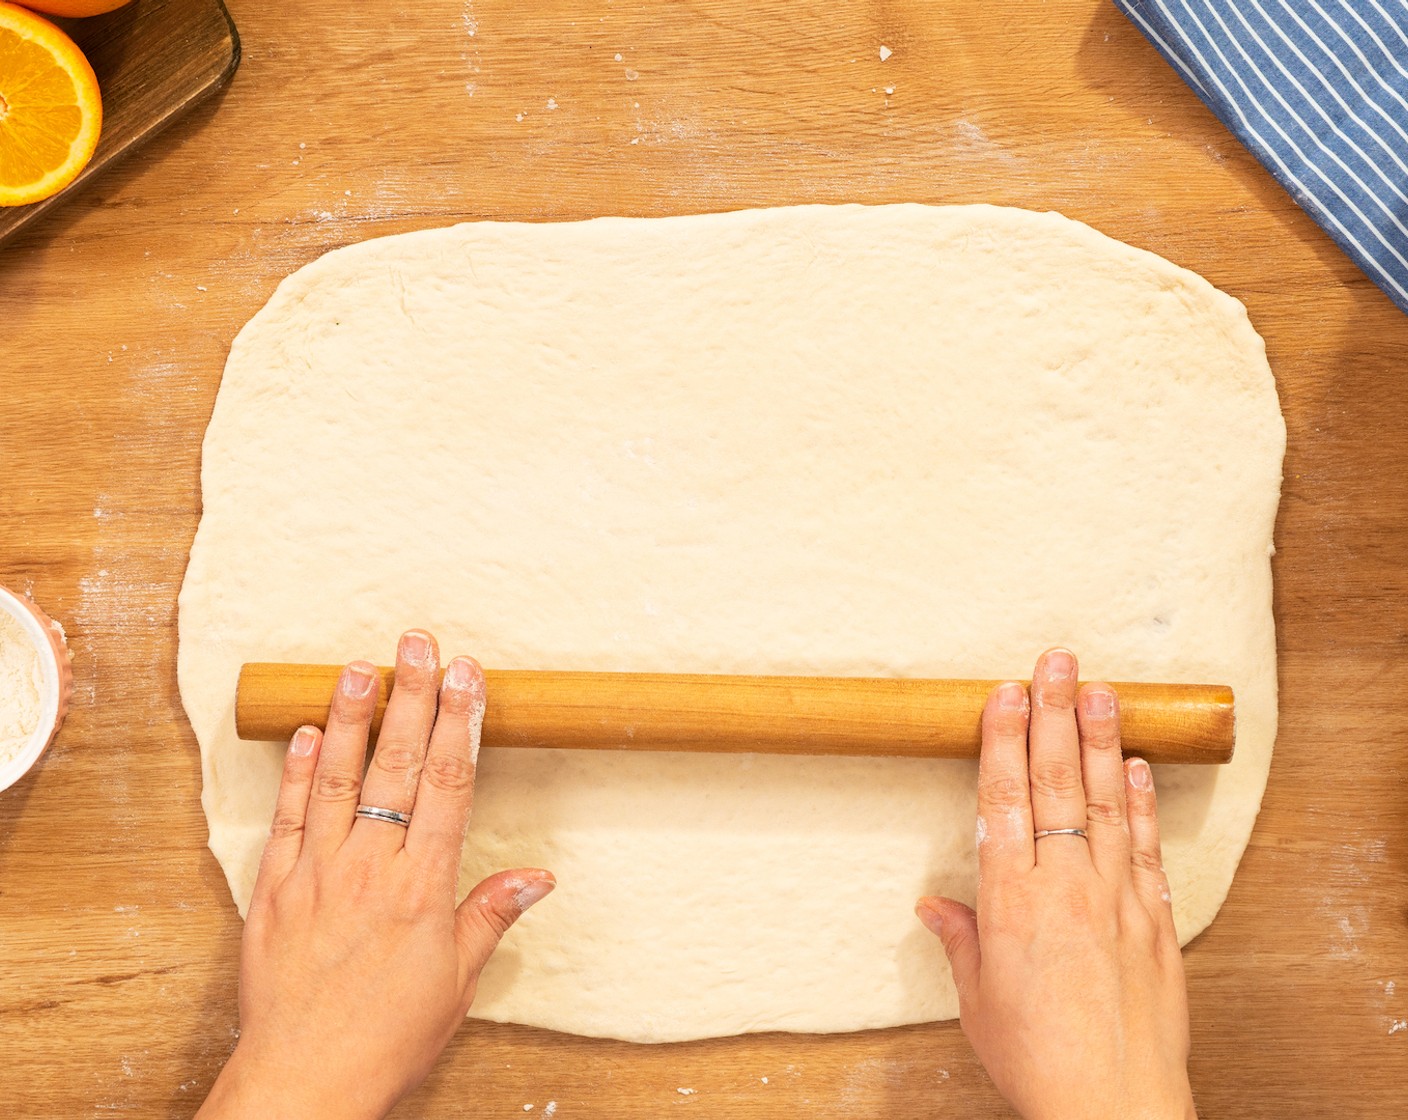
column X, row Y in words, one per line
column 75, row 7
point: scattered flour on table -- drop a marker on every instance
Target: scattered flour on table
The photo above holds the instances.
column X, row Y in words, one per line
column 470, row 55
column 20, row 682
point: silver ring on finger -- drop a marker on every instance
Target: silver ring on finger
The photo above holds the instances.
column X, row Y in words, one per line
column 1060, row 832
column 390, row 816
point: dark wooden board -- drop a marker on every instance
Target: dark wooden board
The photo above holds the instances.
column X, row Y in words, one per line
column 118, row 940
column 154, row 60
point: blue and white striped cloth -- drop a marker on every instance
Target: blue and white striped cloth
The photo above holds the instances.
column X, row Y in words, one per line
column 1318, row 91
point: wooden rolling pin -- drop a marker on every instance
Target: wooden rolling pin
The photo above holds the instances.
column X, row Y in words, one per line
column 774, row 715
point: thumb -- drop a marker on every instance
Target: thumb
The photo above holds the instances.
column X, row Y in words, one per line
column 957, row 927
column 491, row 908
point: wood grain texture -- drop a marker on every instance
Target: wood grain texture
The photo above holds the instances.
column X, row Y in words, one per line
column 155, row 60
column 118, row 940
column 719, row 713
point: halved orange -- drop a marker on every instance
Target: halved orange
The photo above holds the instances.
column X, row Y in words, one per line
column 50, row 108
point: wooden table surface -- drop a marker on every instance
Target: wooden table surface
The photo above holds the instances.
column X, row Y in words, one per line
column 118, row 939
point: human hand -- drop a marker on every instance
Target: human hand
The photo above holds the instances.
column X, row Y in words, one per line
column 1070, row 981
column 356, row 966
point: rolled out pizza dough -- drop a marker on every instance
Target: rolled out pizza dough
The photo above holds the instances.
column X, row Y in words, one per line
column 909, row 440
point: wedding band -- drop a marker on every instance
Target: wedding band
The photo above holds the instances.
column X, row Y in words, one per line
column 390, row 816
column 1060, row 832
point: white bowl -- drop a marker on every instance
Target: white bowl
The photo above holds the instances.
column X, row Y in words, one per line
column 55, row 684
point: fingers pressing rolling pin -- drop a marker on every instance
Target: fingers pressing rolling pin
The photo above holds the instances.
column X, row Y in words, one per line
column 1069, row 975
column 356, row 966
column 1068, row 972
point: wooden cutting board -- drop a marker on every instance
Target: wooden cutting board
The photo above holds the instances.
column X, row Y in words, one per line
column 155, row 60
column 117, row 938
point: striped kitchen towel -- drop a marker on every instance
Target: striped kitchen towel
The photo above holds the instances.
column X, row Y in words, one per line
column 1318, row 91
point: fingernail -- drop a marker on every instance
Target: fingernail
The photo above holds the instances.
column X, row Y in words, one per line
column 534, row 890
column 358, row 680
column 415, row 647
column 456, row 675
column 1059, row 665
column 1098, row 703
column 1140, row 776
column 464, row 675
column 459, row 674
column 303, row 742
column 929, row 916
column 1011, row 696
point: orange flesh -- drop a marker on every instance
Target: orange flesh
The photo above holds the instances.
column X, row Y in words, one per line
column 41, row 119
